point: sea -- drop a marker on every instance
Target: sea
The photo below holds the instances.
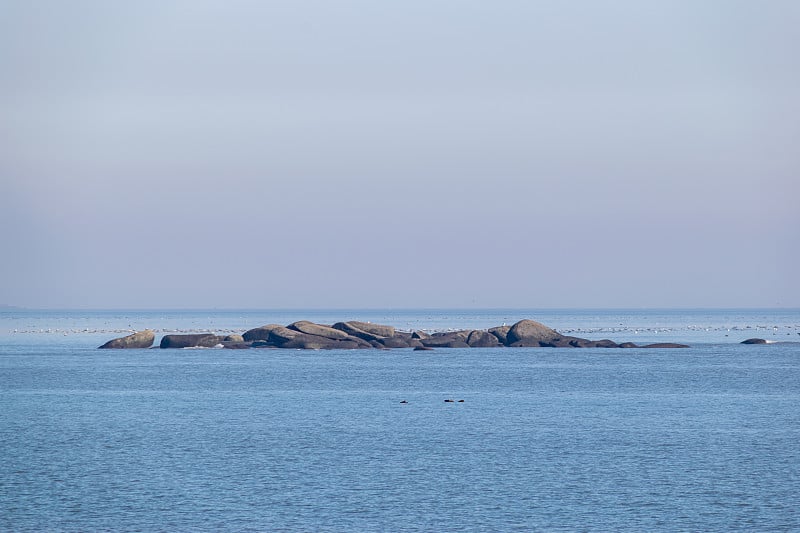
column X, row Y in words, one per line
column 705, row 438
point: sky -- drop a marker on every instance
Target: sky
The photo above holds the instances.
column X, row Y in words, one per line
column 415, row 154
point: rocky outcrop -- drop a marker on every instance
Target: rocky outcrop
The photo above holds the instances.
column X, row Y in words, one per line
column 529, row 333
column 304, row 335
column 199, row 340
column 361, row 335
column 140, row 339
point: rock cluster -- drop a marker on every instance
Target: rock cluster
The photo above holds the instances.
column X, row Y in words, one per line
column 361, row 335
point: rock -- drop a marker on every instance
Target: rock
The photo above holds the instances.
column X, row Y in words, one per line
column 482, row 339
column 260, row 333
column 200, row 340
column 355, row 331
column 445, row 340
column 408, row 338
column 605, row 343
column 394, row 342
column 665, row 345
column 422, row 349
column 577, row 342
column 375, row 329
column 281, row 334
column 748, row 341
column 462, row 334
column 309, row 328
column 314, row 342
column 262, row 344
column 529, row 343
column 234, row 345
column 501, row 332
column 140, row 339
column 304, row 334
column 530, row 333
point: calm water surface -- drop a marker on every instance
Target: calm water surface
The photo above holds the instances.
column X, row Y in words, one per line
column 706, row 438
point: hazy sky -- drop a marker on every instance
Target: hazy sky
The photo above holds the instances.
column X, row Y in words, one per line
column 339, row 154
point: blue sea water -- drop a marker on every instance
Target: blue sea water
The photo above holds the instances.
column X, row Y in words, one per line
column 705, row 438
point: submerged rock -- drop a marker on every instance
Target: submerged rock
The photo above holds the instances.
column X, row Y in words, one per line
column 665, row 345
column 754, row 341
column 140, row 339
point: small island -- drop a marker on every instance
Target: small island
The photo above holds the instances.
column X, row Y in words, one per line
column 355, row 335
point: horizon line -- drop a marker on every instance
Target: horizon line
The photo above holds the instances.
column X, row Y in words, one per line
column 6, row 307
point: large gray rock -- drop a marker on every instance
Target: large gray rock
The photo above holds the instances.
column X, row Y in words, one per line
column 280, row 335
column 140, row 339
column 397, row 342
column 375, row 329
column 501, row 332
column 482, row 339
column 309, row 328
column 530, row 333
column 260, row 333
column 446, row 340
column 199, row 340
column 355, row 331
column 237, row 345
column 304, row 341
